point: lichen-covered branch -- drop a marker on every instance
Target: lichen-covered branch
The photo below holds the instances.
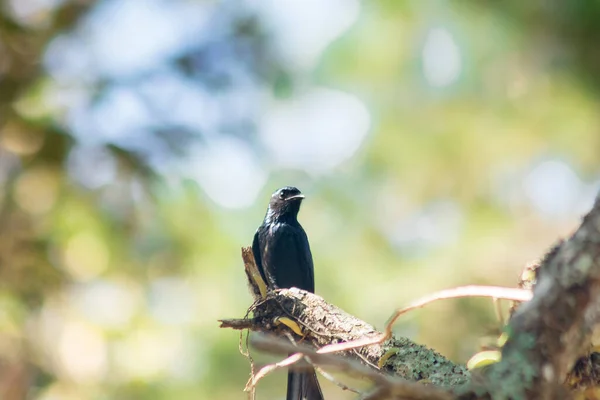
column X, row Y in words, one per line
column 546, row 335
column 323, row 324
column 550, row 332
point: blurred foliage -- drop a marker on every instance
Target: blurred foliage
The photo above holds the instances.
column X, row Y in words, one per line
column 116, row 260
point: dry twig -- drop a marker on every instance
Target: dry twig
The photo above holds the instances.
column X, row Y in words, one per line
column 393, row 386
column 495, row 292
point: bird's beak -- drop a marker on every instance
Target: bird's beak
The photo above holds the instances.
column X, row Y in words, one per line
column 298, row 196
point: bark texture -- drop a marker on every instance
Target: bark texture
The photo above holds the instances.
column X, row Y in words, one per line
column 323, row 323
column 549, row 333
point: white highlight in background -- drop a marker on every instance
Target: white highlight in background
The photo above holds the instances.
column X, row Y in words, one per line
column 556, row 191
column 442, row 63
column 227, row 170
column 303, row 29
column 316, row 131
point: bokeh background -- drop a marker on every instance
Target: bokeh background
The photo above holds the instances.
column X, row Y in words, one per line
column 439, row 143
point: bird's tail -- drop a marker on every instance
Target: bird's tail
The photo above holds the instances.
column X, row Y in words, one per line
column 303, row 385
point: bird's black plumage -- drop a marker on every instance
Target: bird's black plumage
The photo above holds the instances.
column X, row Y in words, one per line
column 284, row 260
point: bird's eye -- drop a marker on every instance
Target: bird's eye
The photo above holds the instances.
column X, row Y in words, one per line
column 281, row 195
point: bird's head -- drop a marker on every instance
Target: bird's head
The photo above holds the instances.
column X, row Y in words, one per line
column 285, row 202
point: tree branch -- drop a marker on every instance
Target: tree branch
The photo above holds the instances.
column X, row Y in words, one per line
column 546, row 335
column 324, row 324
column 549, row 333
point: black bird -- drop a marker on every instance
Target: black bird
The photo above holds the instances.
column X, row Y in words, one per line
column 284, row 260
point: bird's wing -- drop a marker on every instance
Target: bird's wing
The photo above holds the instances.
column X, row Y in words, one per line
column 289, row 257
column 308, row 256
column 258, row 255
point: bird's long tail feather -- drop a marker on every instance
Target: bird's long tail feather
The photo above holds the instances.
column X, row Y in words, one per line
column 303, row 385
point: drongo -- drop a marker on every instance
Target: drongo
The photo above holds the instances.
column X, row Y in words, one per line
column 284, row 260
